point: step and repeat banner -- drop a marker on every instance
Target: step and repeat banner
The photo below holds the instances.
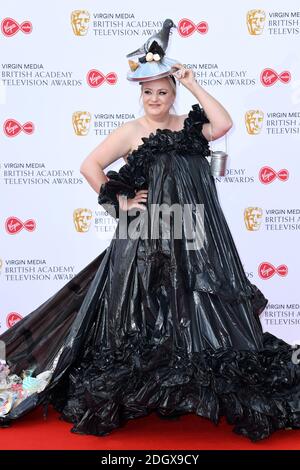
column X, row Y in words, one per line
column 63, row 89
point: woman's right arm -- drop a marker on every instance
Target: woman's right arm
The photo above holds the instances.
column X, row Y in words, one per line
column 114, row 146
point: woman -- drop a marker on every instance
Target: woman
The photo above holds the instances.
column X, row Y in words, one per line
column 160, row 323
column 158, row 97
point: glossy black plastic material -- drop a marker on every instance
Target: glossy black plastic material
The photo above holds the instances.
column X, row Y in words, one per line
column 151, row 325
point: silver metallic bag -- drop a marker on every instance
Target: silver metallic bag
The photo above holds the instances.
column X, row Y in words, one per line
column 218, row 161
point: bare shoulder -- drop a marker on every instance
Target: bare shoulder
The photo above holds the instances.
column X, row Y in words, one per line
column 125, row 130
column 130, row 130
column 125, row 133
column 130, row 133
column 133, row 125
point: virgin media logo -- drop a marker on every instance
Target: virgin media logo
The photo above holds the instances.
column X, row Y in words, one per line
column 96, row 78
column 268, row 77
column 267, row 270
column 13, row 318
column 187, row 27
column 10, row 27
column 14, row 225
column 12, row 128
column 267, row 175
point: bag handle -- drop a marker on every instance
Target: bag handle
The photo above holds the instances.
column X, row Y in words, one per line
column 211, row 152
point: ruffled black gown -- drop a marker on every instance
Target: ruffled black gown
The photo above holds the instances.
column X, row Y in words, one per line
column 151, row 325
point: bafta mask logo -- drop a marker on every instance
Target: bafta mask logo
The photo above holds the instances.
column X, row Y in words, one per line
column 81, row 122
column 80, row 20
column 256, row 22
column 82, row 219
column 254, row 120
column 252, row 218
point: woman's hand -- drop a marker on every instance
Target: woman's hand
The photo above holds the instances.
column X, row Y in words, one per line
column 127, row 203
column 183, row 75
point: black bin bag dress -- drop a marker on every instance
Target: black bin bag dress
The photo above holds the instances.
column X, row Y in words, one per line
column 152, row 325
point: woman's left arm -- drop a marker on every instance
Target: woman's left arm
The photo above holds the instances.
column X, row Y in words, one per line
column 219, row 119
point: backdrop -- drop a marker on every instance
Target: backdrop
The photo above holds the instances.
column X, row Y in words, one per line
column 64, row 89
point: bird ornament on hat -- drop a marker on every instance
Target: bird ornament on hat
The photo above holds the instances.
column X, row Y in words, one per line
column 152, row 61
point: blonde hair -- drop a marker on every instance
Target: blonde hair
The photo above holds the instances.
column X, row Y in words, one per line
column 173, row 83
